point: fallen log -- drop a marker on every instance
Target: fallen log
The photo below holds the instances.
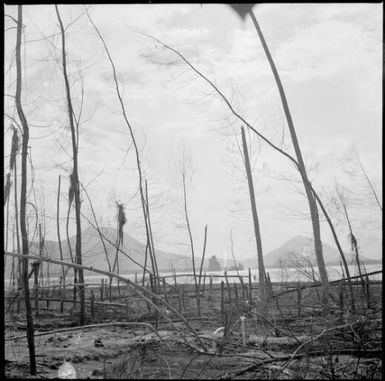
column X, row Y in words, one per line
column 271, row 340
column 369, row 353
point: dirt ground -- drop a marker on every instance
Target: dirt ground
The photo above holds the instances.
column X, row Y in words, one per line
column 281, row 346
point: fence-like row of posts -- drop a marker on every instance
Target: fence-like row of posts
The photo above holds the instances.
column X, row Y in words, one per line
column 230, row 293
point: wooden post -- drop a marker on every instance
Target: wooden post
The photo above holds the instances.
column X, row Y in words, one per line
column 236, row 294
column 35, row 266
column 277, row 302
column 136, row 277
column 243, row 287
column 204, row 284
column 269, row 286
column 180, row 298
column 250, row 288
column 299, row 299
column 228, row 287
column 101, row 290
column 61, row 294
column 223, row 297
column 148, row 303
column 175, row 280
column 183, row 299
column 152, row 284
column 92, row 299
column 367, row 291
column 341, row 296
column 211, row 283
column 164, row 289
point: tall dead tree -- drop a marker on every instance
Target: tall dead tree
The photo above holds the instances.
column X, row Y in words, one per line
column 13, row 166
column 23, row 194
column 121, row 221
column 70, row 201
column 342, row 255
column 257, row 231
column 7, row 188
column 75, row 174
column 352, row 237
column 301, row 168
column 189, row 229
column 59, row 240
column 136, row 149
column 150, row 237
column 200, row 272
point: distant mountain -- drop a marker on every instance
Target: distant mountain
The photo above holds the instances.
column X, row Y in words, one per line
column 93, row 253
column 301, row 249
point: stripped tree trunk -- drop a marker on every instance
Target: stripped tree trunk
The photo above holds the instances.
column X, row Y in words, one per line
column 134, row 142
column 59, row 243
column 353, row 240
column 302, row 170
column 189, row 231
column 75, row 147
column 151, row 239
column 23, row 195
column 257, row 232
column 70, row 249
column 200, row 272
column 342, row 255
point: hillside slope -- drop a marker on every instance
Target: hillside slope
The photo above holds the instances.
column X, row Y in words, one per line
column 93, row 254
column 301, row 248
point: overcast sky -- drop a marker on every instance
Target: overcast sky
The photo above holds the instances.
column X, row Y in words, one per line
column 329, row 57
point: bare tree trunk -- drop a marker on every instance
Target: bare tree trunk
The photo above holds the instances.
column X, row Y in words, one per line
column 23, row 196
column 138, row 164
column 145, row 264
column 41, row 247
column 6, row 227
column 189, row 229
column 200, row 272
column 302, row 170
column 7, row 188
column 342, row 255
column 70, row 252
column 16, row 210
column 232, row 253
column 118, row 243
column 149, row 245
column 59, row 243
column 151, row 236
column 312, row 204
column 17, row 274
column 75, row 174
column 353, row 239
column 257, row 232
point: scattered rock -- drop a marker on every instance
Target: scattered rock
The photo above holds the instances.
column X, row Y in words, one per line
column 54, row 365
column 96, row 373
column 98, row 343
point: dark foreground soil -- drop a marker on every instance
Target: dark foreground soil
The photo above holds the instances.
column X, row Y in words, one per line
column 291, row 341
